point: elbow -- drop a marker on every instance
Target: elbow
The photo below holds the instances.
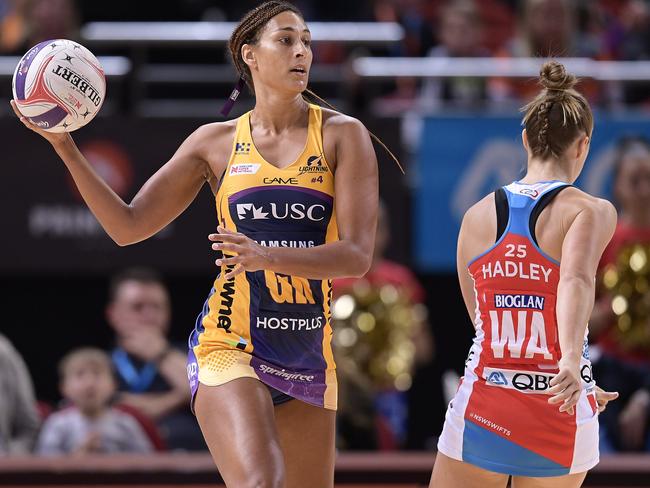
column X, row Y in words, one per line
column 360, row 264
column 122, row 240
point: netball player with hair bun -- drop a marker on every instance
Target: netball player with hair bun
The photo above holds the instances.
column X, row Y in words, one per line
column 527, row 259
column 296, row 191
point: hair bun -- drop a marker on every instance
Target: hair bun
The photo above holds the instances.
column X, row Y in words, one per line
column 553, row 76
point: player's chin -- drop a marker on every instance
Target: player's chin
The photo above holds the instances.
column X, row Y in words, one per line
column 297, row 83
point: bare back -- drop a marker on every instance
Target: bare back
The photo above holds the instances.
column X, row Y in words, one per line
column 479, row 230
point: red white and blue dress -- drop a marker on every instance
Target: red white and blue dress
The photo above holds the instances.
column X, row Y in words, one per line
column 500, row 418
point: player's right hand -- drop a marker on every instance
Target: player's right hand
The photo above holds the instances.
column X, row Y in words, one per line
column 53, row 138
column 566, row 386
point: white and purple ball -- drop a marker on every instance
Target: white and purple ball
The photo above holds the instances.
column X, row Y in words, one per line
column 59, row 85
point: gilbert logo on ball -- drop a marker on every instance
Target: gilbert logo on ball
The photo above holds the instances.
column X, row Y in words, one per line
column 59, row 85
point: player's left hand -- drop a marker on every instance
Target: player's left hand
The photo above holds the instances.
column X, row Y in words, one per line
column 244, row 253
column 604, row 397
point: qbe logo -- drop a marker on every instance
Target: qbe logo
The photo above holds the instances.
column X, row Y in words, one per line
column 497, row 378
column 523, row 381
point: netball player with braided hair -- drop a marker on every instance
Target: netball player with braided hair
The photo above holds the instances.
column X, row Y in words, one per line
column 297, row 192
column 527, row 258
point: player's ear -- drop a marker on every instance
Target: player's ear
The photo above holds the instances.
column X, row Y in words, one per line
column 248, row 55
column 524, row 139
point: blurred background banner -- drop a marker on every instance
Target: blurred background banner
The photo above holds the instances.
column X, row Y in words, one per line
column 48, row 218
column 462, row 158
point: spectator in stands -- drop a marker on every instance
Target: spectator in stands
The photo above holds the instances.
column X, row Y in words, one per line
column 51, row 19
column 460, row 34
column 621, row 357
column 28, row 22
column 151, row 372
column 19, row 420
column 412, row 15
column 90, row 424
column 629, row 38
column 547, row 28
column 12, row 25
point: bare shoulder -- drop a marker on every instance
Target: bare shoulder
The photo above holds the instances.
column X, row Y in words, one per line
column 479, row 214
column 480, row 221
column 579, row 201
column 347, row 139
column 598, row 214
column 216, row 133
column 339, row 124
column 215, row 141
column 478, row 229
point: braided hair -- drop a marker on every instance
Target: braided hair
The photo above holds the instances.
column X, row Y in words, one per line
column 557, row 115
column 248, row 31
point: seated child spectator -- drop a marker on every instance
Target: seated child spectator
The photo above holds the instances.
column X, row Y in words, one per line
column 90, row 424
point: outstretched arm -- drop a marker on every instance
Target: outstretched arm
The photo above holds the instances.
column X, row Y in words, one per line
column 356, row 200
column 162, row 198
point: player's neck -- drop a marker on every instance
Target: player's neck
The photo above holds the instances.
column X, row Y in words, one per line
column 539, row 170
column 275, row 113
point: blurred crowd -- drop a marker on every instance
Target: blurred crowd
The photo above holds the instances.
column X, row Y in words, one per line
column 597, row 29
column 131, row 398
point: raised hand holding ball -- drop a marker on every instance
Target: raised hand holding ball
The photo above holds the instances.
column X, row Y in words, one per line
column 59, row 86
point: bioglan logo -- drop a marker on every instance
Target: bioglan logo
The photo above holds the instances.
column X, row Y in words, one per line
column 242, row 148
column 244, row 169
column 293, row 211
column 534, row 302
column 314, row 166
